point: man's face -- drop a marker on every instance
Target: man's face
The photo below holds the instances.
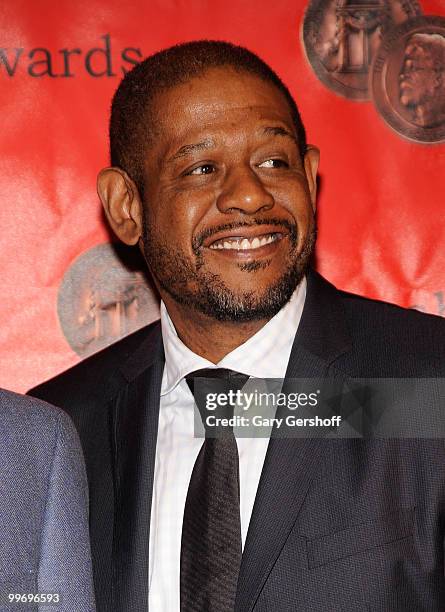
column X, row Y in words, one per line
column 228, row 217
column 418, row 78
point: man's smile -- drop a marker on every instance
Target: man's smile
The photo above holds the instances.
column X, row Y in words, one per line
column 247, row 240
column 242, row 243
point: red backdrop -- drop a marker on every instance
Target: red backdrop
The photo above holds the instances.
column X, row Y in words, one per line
column 381, row 212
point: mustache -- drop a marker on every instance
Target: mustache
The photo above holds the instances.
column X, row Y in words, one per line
column 292, row 229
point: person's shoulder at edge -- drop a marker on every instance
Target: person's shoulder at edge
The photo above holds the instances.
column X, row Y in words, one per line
column 31, row 417
column 44, row 508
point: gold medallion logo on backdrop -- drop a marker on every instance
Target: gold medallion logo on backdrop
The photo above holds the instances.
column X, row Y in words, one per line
column 384, row 51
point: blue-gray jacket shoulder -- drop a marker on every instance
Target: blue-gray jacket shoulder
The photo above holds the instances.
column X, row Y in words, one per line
column 44, row 505
column 25, row 419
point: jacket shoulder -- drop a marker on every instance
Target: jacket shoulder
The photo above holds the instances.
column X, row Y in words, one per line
column 32, row 434
column 98, row 376
column 405, row 342
column 34, row 418
column 44, row 511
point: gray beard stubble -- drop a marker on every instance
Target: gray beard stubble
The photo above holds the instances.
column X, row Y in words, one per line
column 176, row 275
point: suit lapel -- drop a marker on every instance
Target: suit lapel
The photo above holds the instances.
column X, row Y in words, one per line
column 290, row 464
column 136, row 425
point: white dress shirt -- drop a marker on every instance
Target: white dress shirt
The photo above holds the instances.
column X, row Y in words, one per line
column 264, row 355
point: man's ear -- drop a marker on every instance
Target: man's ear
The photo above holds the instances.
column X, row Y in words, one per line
column 311, row 161
column 122, row 204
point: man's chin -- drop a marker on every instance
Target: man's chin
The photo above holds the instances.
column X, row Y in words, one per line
column 222, row 304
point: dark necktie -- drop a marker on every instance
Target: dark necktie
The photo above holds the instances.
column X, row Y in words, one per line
column 211, row 531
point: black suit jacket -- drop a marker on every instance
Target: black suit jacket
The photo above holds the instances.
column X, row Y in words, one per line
column 347, row 525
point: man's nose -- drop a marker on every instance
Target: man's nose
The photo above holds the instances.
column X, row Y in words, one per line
column 243, row 191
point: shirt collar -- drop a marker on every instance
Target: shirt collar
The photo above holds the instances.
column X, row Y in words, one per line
column 263, row 355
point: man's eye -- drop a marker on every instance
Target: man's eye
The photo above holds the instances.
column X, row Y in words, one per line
column 274, row 163
column 204, row 169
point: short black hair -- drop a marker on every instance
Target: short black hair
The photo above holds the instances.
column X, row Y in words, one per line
column 130, row 109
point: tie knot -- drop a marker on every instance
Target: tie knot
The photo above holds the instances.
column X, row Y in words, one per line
column 233, row 379
column 215, row 396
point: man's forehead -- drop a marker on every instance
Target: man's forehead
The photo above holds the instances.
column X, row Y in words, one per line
column 234, row 127
column 219, row 105
column 218, row 91
column 221, row 121
column 204, row 115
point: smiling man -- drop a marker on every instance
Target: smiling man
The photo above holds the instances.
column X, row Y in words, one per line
column 230, row 186
column 212, row 178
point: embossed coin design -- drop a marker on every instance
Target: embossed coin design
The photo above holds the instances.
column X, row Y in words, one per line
column 341, row 37
column 408, row 79
column 105, row 295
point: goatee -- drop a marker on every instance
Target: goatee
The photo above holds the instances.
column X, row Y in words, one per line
column 190, row 285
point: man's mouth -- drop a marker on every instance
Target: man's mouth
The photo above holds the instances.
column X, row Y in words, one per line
column 243, row 243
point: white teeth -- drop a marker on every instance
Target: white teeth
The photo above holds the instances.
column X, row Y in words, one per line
column 244, row 244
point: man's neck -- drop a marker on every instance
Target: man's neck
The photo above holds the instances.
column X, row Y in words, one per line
column 207, row 337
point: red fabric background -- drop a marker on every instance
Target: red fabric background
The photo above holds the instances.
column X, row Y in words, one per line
column 381, row 212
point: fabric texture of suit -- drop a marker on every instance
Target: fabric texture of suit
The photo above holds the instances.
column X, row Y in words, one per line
column 43, row 508
column 347, row 525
